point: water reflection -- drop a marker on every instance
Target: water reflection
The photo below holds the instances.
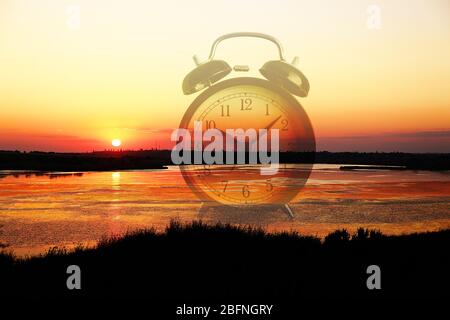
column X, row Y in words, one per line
column 37, row 212
column 260, row 215
column 114, row 209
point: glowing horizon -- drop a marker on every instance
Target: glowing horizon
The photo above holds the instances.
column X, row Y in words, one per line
column 117, row 74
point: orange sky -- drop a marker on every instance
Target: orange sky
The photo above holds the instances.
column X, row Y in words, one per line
column 71, row 84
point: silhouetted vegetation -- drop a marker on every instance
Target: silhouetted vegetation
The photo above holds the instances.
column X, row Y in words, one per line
column 410, row 161
column 202, row 262
column 96, row 161
column 2, row 245
column 157, row 159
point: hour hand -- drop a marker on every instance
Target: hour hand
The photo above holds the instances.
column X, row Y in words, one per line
column 226, row 134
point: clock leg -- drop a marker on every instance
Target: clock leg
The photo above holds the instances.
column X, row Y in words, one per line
column 289, row 211
column 225, row 211
column 204, row 209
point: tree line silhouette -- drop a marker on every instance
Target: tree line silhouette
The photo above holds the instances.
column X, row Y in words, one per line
column 158, row 159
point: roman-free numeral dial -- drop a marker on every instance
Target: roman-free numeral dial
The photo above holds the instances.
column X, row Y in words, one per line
column 249, row 104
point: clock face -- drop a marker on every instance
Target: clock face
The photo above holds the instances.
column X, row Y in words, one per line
column 250, row 103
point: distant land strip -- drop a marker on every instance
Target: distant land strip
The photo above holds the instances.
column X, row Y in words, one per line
column 159, row 159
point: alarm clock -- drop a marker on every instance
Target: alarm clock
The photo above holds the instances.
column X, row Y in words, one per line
column 249, row 102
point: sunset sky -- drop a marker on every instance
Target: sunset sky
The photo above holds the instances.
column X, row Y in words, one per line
column 69, row 84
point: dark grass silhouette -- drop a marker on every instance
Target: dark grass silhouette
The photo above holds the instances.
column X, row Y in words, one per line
column 198, row 262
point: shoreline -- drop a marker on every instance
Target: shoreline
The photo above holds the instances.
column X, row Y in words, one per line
column 160, row 159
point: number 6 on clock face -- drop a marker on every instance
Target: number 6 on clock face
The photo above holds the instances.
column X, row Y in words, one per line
column 250, row 103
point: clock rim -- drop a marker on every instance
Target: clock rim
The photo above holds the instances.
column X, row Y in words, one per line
column 202, row 97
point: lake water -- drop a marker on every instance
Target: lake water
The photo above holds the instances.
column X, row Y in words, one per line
column 40, row 211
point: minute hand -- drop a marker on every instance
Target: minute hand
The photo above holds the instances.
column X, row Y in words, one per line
column 270, row 125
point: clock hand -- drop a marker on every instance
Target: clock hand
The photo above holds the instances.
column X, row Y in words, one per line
column 270, row 125
column 226, row 134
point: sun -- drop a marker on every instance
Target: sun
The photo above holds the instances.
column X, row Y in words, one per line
column 116, row 143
